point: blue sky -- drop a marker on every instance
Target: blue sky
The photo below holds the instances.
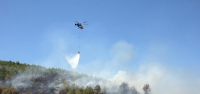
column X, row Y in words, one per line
column 43, row 32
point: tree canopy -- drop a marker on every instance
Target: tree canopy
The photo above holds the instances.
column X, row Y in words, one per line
column 18, row 78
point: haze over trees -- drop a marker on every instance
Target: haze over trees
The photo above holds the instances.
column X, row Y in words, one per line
column 17, row 78
column 146, row 89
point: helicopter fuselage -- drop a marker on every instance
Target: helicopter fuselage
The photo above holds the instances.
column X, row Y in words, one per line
column 79, row 26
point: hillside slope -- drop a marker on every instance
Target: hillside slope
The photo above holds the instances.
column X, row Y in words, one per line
column 25, row 78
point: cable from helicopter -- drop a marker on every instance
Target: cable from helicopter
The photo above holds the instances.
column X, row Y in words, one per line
column 80, row 26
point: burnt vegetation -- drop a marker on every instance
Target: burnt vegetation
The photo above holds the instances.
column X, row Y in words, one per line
column 18, row 78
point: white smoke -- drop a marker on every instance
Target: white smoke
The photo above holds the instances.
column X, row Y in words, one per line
column 73, row 60
column 121, row 68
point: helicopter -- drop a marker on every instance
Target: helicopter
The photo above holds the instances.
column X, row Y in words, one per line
column 79, row 25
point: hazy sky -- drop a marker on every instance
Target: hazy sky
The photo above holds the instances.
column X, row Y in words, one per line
column 121, row 35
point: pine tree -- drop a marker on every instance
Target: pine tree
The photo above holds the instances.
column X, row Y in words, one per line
column 88, row 90
column 123, row 88
column 97, row 89
column 146, row 89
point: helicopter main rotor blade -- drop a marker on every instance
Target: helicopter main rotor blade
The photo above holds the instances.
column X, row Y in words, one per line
column 85, row 22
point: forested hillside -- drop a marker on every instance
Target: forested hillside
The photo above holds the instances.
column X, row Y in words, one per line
column 18, row 78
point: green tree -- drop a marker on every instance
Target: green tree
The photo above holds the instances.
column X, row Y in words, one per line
column 7, row 76
column 123, row 88
column 71, row 91
column 146, row 89
column 78, row 91
column 97, row 89
column 88, row 90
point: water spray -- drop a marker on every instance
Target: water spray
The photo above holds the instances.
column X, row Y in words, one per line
column 73, row 60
